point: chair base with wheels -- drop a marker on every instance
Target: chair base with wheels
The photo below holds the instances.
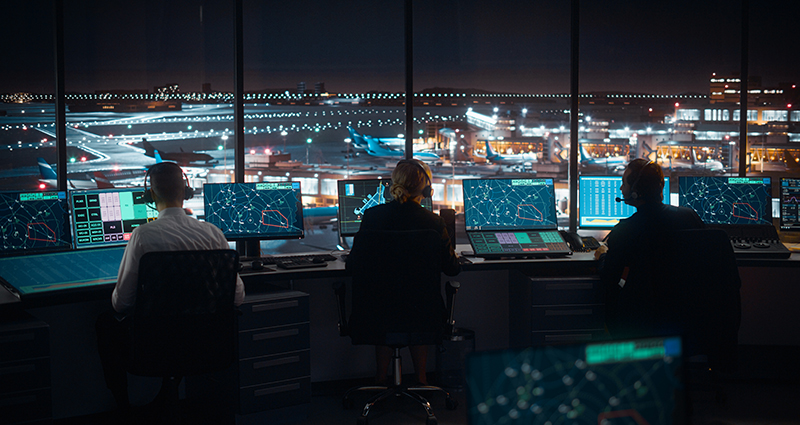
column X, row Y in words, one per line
column 398, row 389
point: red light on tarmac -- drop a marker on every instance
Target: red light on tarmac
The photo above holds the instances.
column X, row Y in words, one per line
column 677, row 104
column 42, row 186
column 83, row 159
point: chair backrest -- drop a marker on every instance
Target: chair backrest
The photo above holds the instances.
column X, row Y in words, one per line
column 693, row 290
column 396, row 292
column 184, row 317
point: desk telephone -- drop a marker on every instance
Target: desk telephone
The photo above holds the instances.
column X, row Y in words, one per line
column 578, row 243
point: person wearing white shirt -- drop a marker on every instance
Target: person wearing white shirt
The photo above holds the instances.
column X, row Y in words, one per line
column 173, row 230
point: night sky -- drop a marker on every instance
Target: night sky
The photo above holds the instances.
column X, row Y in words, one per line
column 655, row 46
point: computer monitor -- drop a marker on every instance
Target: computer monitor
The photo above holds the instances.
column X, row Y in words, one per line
column 597, row 206
column 34, row 222
column 637, row 381
column 107, row 217
column 728, row 200
column 358, row 195
column 790, row 203
column 509, row 204
column 257, row 211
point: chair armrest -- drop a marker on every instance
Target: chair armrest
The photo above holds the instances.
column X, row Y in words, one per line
column 340, row 290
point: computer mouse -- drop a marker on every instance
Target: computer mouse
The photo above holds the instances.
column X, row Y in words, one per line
column 257, row 265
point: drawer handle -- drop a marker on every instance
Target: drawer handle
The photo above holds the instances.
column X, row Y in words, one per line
column 276, row 334
column 275, row 306
column 574, row 312
column 276, row 362
column 17, row 369
column 567, row 286
column 278, row 389
column 17, row 338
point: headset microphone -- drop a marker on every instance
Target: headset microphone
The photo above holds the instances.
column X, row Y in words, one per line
column 618, row 199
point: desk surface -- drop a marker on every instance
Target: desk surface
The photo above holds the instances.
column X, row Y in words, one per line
column 49, row 278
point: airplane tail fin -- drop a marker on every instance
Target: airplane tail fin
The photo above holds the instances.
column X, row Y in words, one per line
column 584, row 155
column 148, row 148
column 791, row 162
column 490, row 153
column 694, row 156
column 102, row 181
column 356, row 139
column 157, row 156
column 45, row 170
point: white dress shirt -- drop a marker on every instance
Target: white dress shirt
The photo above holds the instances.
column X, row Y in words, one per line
column 172, row 231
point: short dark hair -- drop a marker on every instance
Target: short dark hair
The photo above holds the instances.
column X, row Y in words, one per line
column 166, row 180
column 646, row 179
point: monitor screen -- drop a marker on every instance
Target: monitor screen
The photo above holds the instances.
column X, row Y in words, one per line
column 790, row 203
column 638, row 381
column 501, row 204
column 107, row 217
column 357, row 196
column 728, row 200
column 269, row 210
column 34, row 221
column 597, row 206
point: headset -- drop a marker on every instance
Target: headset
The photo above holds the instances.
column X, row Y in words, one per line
column 427, row 191
column 188, row 193
column 635, row 195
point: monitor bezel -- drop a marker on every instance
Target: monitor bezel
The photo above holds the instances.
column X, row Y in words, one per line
column 426, row 203
column 74, row 192
column 261, row 236
column 666, row 192
column 796, row 227
column 768, row 221
column 552, row 187
column 66, row 225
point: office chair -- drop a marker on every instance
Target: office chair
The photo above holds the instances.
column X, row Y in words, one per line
column 184, row 319
column 396, row 302
column 693, row 292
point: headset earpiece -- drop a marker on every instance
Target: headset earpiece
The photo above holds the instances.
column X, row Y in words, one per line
column 147, row 197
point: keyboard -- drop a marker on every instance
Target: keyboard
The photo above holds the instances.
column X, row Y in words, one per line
column 290, row 262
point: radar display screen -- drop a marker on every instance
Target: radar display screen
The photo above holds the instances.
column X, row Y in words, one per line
column 34, row 222
column 269, row 210
column 728, row 200
column 501, row 204
column 790, row 203
column 615, row 382
column 598, row 208
column 107, row 217
column 357, row 196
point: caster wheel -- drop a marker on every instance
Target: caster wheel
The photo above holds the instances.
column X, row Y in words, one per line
column 450, row 403
column 362, row 420
column 431, row 421
column 348, row 403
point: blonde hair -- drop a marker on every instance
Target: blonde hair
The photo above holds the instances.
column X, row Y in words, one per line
column 409, row 178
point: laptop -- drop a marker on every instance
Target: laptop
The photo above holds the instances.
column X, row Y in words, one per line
column 636, row 381
column 512, row 218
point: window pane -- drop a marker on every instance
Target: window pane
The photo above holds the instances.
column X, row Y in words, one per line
column 149, row 82
column 27, row 85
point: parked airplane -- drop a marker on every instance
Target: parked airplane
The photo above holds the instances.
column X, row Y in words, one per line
column 610, row 163
column 182, row 158
column 693, row 164
column 381, row 147
column 49, row 178
column 520, row 158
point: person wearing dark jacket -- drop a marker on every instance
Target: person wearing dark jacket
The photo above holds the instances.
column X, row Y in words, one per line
column 623, row 261
column 411, row 182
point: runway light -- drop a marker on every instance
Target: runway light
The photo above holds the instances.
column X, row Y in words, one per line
column 72, row 159
column 42, row 186
column 219, row 148
column 83, row 159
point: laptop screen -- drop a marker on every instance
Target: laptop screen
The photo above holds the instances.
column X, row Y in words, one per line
column 637, row 381
column 509, row 204
column 728, row 200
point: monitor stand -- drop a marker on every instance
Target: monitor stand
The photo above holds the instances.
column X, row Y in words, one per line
column 249, row 248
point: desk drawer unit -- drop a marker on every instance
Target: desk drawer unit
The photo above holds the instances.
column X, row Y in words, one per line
column 555, row 310
column 274, row 351
column 25, row 395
